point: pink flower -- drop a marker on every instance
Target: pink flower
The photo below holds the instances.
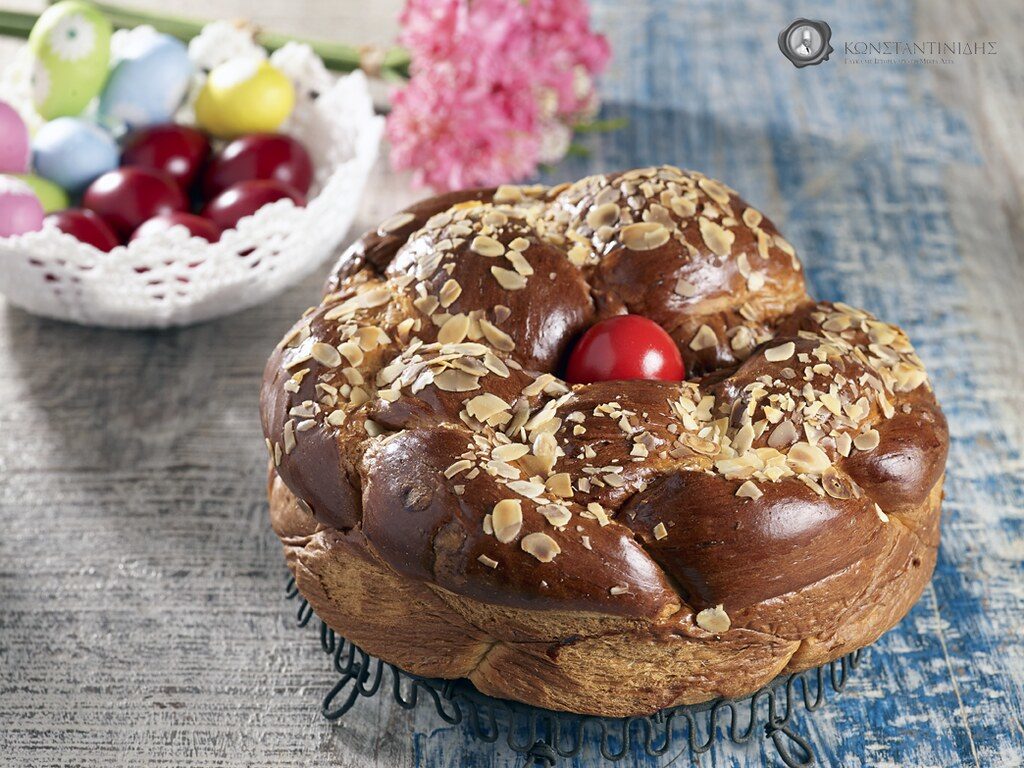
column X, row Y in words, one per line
column 488, row 77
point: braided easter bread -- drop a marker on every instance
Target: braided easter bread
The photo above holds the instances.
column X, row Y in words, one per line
column 451, row 505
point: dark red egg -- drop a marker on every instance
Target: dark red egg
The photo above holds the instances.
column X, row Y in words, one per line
column 197, row 226
column 126, row 197
column 625, row 347
column 85, row 226
column 259, row 156
column 245, row 198
column 175, row 149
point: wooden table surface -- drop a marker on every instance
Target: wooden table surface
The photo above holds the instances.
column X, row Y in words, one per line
column 141, row 612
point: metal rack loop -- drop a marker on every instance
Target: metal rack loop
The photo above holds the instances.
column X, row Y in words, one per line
column 544, row 737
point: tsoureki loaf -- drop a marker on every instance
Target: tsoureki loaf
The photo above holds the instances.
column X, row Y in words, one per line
column 452, row 506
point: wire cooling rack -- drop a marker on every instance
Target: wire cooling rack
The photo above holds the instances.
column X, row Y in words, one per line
column 544, row 737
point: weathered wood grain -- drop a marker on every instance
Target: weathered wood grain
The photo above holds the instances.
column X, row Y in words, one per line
column 141, row 611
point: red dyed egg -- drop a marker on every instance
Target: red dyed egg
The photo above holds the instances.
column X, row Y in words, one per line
column 174, row 149
column 245, row 198
column 625, row 347
column 259, row 156
column 197, row 226
column 85, row 226
column 126, row 197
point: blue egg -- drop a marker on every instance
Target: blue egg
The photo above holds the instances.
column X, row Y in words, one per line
column 71, row 152
column 147, row 86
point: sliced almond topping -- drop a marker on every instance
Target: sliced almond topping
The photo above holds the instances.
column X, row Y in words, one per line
column 326, row 355
column 487, row 246
column 519, row 263
column 450, row 291
column 483, row 407
column 835, row 484
column 454, row 329
column 352, row 352
column 519, row 244
column 804, row 457
column 685, row 288
column 749, row 491
column 556, row 514
column 705, row 338
column 392, row 223
column 336, row 418
column 507, row 519
column 510, row 451
column 508, row 279
column 289, row 436
column 508, row 193
column 660, row 531
column 867, row 441
column 644, row 236
column 497, row 337
column 541, row 546
column 881, row 515
column 718, row 239
column 683, row 207
column 454, row 380
column 752, row 217
column 459, row 466
column 603, row 215
column 560, row 484
column 714, row 619
column 488, row 561
column 715, row 190
column 780, row 353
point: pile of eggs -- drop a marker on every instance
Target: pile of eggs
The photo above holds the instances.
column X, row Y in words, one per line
column 111, row 147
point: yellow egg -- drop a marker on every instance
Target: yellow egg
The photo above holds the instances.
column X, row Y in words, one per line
column 244, row 96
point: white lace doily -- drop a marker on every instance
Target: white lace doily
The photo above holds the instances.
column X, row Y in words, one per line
column 171, row 279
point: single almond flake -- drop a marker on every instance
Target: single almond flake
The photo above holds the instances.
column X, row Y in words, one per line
column 508, row 279
column 749, row 491
column 326, row 355
column 705, row 338
column 752, row 217
column 714, row 620
column 644, row 236
column 780, row 353
column 541, row 546
column 602, row 215
column 507, row 519
column 867, row 441
column 660, row 531
column 392, row 223
column 454, row 329
column 488, row 561
column 497, row 337
column 486, row 246
column 718, row 239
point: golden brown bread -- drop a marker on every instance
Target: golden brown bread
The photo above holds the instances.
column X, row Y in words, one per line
column 452, row 506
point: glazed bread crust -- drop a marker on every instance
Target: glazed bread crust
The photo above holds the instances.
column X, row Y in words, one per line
column 452, row 506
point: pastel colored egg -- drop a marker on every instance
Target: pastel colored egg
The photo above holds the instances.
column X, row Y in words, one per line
column 148, row 84
column 244, row 95
column 71, row 46
column 14, row 146
column 72, row 152
column 20, row 209
column 50, row 195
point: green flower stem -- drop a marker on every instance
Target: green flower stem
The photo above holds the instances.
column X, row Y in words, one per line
column 336, row 56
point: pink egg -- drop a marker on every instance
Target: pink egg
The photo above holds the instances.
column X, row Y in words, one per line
column 20, row 209
column 15, row 148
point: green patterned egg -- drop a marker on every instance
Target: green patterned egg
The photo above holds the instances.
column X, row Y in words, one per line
column 71, row 44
